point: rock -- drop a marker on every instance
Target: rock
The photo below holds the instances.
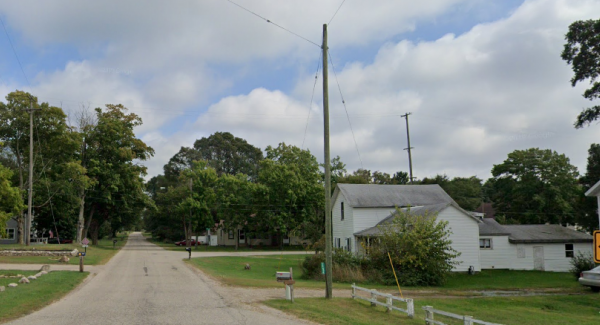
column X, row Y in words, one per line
column 75, row 252
column 24, row 280
column 2, row 288
column 12, row 285
column 45, row 268
column 32, row 277
column 247, row 267
column 64, row 259
column 39, row 274
column 44, row 272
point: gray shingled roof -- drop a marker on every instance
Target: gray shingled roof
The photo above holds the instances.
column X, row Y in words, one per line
column 434, row 208
column 372, row 195
column 533, row 233
column 491, row 227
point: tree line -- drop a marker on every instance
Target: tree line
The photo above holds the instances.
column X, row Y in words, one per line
column 87, row 171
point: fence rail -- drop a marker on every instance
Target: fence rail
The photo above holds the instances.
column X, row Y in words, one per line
column 389, row 300
column 468, row 320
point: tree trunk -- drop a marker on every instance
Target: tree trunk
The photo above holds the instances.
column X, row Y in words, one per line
column 20, row 223
column 236, row 235
column 94, row 228
column 87, row 226
column 81, row 221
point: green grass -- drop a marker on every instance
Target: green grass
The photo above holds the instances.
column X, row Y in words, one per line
column 577, row 309
column 230, row 270
column 26, row 298
column 170, row 245
column 96, row 255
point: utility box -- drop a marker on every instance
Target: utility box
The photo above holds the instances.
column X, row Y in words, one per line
column 283, row 276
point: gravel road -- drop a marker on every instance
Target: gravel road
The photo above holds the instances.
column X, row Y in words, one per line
column 145, row 284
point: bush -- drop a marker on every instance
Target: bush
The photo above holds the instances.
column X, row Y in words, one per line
column 581, row 262
column 347, row 267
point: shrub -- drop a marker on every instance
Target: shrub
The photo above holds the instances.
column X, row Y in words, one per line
column 581, row 262
column 347, row 267
column 419, row 247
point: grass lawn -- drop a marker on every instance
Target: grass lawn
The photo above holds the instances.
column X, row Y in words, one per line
column 95, row 255
column 576, row 309
column 230, row 270
column 170, row 245
column 26, row 298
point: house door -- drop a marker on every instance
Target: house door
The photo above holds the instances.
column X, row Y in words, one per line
column 538, row 258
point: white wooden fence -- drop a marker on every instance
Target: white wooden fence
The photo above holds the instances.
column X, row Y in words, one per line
column 389, row 300
column 468, row 320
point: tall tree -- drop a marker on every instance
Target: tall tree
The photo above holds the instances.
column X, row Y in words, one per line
column 536, row 186
column 588, row 213
column 582, row 51
column 11, row 203
column 466, row 191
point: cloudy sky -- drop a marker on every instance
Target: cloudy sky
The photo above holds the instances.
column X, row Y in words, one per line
column 481, row 77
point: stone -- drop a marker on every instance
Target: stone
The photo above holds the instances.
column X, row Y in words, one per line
column 75, row 252
column 24, row 280
column 44, row 272
column 45, row 268
column 12, row 285
column 64, row 259
column 32, row 277
column 2, row 288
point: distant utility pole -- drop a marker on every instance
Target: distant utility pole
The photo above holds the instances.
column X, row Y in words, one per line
column 409, row 147
column 328, row 240
column 28, row 219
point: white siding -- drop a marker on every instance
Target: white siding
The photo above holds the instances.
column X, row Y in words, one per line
column 465, row 237
column 504, row 255
column 342, row 228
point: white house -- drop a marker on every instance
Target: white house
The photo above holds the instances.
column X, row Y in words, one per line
column 10, row 237
column 530, row 247
column 595, row 191
column 357, row 209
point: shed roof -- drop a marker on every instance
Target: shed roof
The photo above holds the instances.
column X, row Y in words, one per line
column 380, row 196
column 533, row 233
column 434, row 208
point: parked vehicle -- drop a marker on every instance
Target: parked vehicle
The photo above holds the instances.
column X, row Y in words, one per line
column 192, row 242
column 591, row 278
column 62, row 241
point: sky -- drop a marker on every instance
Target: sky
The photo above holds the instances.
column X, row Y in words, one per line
column 481, row 78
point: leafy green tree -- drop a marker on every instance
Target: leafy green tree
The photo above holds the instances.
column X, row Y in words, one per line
column 365, row 176
column 294, row 191
column 222, row 151
column 582, row 51
column 11, row 203
column 466, row 191
column 536, row 186
column 419, row 246
column 587, row 216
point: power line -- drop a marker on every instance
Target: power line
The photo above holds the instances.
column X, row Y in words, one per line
column 14, row 51
column 346, row 109
column 312, row 96
column 338, row 9
column 271, row 22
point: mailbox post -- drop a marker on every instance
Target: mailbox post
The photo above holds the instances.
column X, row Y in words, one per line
column 288, row 279
column 189, row 250
column 114, row 243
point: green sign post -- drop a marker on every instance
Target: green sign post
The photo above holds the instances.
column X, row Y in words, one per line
column 322, row 267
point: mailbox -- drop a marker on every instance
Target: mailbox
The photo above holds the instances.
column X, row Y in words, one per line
column 283, row 276
column 189, row 250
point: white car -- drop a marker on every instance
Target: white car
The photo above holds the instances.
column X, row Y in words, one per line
column 591, row 278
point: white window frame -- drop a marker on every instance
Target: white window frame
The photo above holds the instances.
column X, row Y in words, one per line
column 338, row 242
column 482, row 243
column 572, row 251
column 349, row 244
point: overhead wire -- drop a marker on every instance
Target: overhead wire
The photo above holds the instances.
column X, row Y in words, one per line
column 312, row 96
column 273, row 23
column 338, row 9
column 14, row 51
column 346, row 109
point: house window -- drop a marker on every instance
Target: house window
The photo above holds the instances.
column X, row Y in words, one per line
column 241, row 235
column 342, row 210
column 349, row 244
column 230, row 234
column 10, row 233
column 338, row 243
column 569, row 250
column 485, row 243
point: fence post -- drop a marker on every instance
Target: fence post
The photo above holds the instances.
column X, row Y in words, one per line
column 373, row 297
column 353, row 290
column 410, row 308
column 388, row 302
column 468, row 320
column 428, row 314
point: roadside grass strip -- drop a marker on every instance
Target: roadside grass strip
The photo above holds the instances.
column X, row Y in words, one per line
column 29, row 297
column 96, row 255
column 230, row 270
column 560, row 309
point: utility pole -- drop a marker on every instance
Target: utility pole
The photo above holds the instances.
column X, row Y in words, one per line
column 28, row 219
column 409, row 147
column 328, row 240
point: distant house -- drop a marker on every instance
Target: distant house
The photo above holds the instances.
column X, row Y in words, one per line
column 530, row 247
column 11, row 235
column 487, row 209
column 357, row 209
column 595, row 191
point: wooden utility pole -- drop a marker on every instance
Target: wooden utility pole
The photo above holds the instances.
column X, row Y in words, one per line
column 409, row 147
column 28, row 219
column 328, row 240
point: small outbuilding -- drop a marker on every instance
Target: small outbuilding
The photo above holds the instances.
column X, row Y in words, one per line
column 11, row 235
column 530, row 247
